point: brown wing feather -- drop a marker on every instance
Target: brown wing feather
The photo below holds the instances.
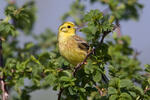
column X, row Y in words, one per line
column 83, row 45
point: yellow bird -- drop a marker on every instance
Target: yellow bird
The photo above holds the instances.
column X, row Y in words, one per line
column 72, row 47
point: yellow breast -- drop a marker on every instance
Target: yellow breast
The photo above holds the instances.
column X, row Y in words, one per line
column 69, row 49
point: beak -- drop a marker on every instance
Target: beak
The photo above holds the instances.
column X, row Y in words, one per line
column 76, row 27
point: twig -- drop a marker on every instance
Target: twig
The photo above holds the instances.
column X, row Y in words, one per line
column 1, row 56
column 118, row 29
column 80, row 64
column 11, row 1
column 60, row 93
column 146, row 89
column 2, row 82
column 99, row 90
column 146, row 75
column 136, row 53
column 4, row 93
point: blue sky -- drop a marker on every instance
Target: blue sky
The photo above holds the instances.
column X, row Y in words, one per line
column 50, row 11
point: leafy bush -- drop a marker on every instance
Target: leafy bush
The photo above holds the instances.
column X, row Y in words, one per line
column 41, row 64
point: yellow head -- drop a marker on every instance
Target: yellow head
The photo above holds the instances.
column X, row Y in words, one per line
column 67, row 29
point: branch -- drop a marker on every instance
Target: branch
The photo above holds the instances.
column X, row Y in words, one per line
column 2, row 82
column 80, row 64
column 99, row 90
column 146, row 89
column 136, row 53
column 11, row 1
column 60, row 93
column 118, row 29
column 4, row 92
column 146, row 75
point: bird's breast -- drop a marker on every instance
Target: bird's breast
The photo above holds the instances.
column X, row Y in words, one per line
column 69, row 50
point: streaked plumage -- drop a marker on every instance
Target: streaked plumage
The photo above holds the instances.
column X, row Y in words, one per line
column 72, row 47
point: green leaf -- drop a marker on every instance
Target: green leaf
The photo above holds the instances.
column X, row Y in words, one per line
column 149, row 81
column 112, row 90
column 19, row 82
column 86, row 30
column 71, row 91
column 65, row 78
column 97, row 77
column 133, row 94
column 49, row 80
column 138, row 90
column 93, row 15
column 35, row 60
column 114, row 82
column 7, row 29
column 113, row 97
column 82, row 89
column 125, row 96
column 88, row 67
column 29, row 45
column 147, row 66
column 126, row 83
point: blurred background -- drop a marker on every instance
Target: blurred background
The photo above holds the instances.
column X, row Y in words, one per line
column 49, row 13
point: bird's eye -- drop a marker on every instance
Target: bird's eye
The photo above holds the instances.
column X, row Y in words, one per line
column 68, row 26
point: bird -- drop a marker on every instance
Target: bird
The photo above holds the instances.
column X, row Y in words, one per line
column 71, row 46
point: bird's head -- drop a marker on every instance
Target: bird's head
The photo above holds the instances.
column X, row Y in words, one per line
column 67, row 29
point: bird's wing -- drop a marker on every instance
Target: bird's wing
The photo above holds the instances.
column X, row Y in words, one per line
column 82, row 44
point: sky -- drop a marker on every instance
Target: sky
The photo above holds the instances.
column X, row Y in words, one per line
column 50, row 11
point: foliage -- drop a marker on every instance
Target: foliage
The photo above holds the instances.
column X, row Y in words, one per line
column 41, row 64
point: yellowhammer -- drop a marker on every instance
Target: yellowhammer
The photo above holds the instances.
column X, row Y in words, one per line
column 71, row 47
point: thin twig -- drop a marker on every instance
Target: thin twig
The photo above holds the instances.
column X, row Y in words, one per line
column 4, row 93
column 2, row 82
column 60, row 93
column 136, row 53
column 146, row 75
column 11, row 1
column 146, row 89
column 80, row 64
column 118, row 29
column 99, row 90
